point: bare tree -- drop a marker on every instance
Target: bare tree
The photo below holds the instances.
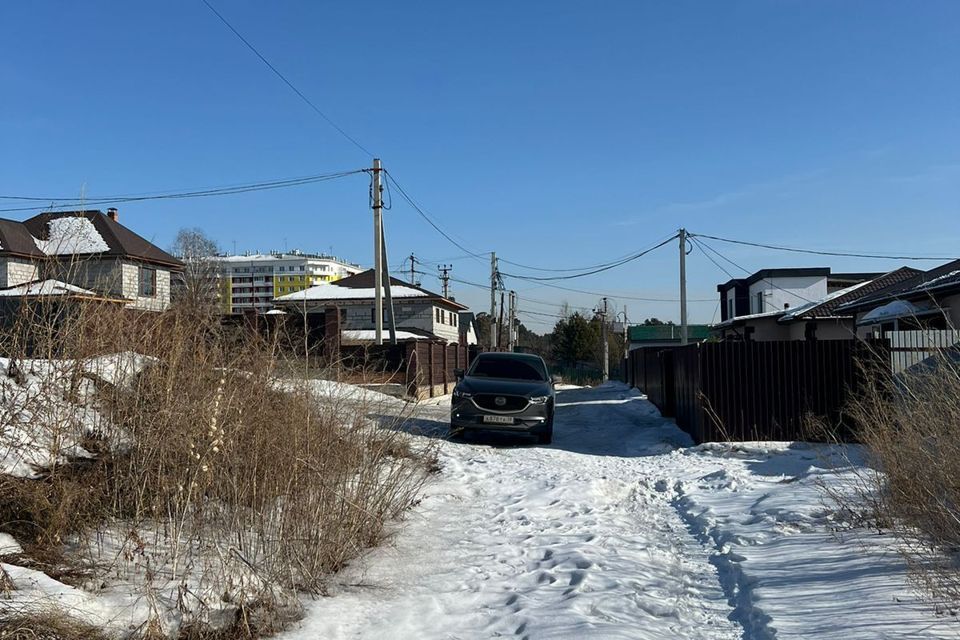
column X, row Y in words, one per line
column 200, row 282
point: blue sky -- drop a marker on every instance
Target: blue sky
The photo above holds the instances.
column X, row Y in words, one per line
column 559, row 134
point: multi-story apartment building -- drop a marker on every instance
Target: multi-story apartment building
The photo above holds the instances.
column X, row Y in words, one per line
column 251, row 282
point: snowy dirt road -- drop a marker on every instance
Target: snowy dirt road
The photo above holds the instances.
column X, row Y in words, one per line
column 619, row 530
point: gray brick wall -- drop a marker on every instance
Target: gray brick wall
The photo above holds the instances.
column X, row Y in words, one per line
column 414, row 315
column 14, row 271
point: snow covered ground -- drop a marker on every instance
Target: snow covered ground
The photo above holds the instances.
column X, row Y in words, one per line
column 621, row 529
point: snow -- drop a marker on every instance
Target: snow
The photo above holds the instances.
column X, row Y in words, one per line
column 891, row 311
column 749, row 316
column 8, row 545
column 371, row 334
column 45, row 288
column 938, row 281
column 72, row 235
column 799, row 311
column 332, row 291
column 622, row 529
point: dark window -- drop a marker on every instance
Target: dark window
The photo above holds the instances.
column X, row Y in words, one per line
column 148, row 282
column 509, row 368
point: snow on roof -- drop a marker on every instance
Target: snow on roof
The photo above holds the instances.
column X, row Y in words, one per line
column 71, row 235
column 892, row 311
column 363, row 335
column 938, row 281
column 331, row 291
column 751, row 316
column 45, row 288
column 796, row 312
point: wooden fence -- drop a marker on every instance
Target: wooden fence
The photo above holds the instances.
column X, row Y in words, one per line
column 430, row 367
column 721, row 391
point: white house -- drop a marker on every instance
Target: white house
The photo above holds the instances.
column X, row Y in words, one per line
column 419, row 314
column 776, row 314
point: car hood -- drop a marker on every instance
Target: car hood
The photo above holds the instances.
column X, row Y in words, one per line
column 504, row 386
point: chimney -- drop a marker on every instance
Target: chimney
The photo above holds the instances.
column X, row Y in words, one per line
column 113, row 214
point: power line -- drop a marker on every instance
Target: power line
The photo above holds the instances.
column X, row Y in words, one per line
column 748, row 272
column 196, row 193
column 606, row 267
column 710, row 258
column 425, row 216
column 287, row 82
column 614, row 295
column 570, row 269
column 845, row 254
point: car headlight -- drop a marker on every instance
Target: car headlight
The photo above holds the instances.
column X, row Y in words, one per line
column 539, row 399
column 459, row 395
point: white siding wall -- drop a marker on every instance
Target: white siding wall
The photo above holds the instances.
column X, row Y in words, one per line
column 794, row 291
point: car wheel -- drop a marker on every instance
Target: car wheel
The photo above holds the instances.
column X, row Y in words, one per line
column 546, row 437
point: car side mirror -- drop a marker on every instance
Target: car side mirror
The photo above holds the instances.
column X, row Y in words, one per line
column 556, row 379
column 458, row 374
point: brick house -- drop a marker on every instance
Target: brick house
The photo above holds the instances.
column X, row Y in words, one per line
column 61, row 251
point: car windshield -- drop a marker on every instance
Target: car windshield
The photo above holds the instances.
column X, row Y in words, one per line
column 509, row 368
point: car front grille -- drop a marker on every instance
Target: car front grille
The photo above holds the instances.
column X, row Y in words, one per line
column 508, row 403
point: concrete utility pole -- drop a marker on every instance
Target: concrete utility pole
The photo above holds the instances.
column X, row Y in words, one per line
column 493, row 300
column 606, row 343
column 391, row 319
column 511, row 331
column 445, row 278
column 413, row 271
column 377, row 252
column 683, row 286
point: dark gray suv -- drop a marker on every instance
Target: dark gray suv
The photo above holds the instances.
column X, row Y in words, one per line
column 504, row 392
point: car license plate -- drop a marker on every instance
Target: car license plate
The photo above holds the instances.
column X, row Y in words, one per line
column 498, row 420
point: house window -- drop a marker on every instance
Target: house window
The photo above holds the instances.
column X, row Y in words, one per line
column 730, row 312
column 437, row 314
column 148, row 282
column 759, row 301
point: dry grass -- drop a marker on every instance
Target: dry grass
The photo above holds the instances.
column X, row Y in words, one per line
column 910, row 426
column 46, row 626
column 209, row 469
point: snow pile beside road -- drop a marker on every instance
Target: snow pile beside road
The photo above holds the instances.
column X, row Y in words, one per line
column 789, row 568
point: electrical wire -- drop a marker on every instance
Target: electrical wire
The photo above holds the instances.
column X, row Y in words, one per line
column 614, row 295
column 748, row 272
column 571, row 269
column 594, row 271
column 845, row 254
column 196, row 193
column 425, row 216
column 286, row 81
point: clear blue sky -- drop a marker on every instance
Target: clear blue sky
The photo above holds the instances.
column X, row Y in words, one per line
column 557, row 133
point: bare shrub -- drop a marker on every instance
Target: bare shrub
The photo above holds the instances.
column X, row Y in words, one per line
column 910, row 427
column 188, row 453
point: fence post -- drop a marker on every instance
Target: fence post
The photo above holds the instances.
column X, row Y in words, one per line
column 446, row 369
column 430, row 375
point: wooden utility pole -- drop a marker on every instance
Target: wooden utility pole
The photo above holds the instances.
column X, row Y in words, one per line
column 493, row 300
column 377, row 252
column 683, row 286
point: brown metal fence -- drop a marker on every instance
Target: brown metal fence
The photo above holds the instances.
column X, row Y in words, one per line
column 721, row 391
